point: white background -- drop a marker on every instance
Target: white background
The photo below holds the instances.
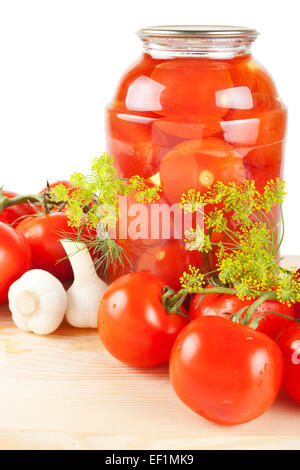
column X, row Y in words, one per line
column 60, row 62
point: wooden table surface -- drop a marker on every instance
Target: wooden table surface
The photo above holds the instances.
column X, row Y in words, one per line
column 64, row 391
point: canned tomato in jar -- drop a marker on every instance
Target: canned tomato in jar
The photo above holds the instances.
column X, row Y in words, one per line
column 196, row 108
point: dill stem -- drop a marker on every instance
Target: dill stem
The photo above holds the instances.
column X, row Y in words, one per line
column 271, row 230
column 265, row 296
column 283, row 228
column 276, row 230
column 227, row 232
column 275, row 261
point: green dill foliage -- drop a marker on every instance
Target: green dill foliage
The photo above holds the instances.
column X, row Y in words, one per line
column 94, row 197
column 247, row 256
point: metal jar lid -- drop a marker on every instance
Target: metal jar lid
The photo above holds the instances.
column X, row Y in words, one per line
column 198, row 31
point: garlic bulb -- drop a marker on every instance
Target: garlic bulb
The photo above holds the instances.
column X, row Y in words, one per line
column 37, row 301
column 87, row 289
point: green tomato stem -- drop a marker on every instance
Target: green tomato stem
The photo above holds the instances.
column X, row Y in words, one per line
column 12, row 201
column 6, row 202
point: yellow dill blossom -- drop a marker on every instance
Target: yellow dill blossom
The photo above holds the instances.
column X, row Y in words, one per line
column 215, row 220
column 196, row 239
column 143, row 192
column 192, row 201
column 288, row 289
column 193, row 280
column 245, row 289
column 273, row 194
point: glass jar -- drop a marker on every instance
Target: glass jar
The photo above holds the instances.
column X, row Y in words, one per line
column 196, row 108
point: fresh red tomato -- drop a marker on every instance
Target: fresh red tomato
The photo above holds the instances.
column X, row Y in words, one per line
column 227, row 373
column 43, row 234
column 195, row 87
column 133, row 324
column 224, row 305
column 14, row 214
column 15, row 258
column 198, row 164
column 289, row 343
column 169, row 260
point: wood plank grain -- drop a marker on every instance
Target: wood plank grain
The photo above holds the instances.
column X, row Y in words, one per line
column 65, row 391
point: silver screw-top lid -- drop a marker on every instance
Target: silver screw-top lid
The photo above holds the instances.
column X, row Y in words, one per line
column 198, row 31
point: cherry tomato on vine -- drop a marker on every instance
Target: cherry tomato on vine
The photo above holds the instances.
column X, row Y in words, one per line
column 289, row 343
column 15, row 258
column 197, row 164
column 225, row 372
column 14, row 214
column 224, row 305
column 43, row 233
column 133, row 323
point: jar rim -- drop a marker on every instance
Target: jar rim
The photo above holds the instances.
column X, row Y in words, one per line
column 198, row 31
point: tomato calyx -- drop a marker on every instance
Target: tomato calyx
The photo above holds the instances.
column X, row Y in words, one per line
column 172, row 301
